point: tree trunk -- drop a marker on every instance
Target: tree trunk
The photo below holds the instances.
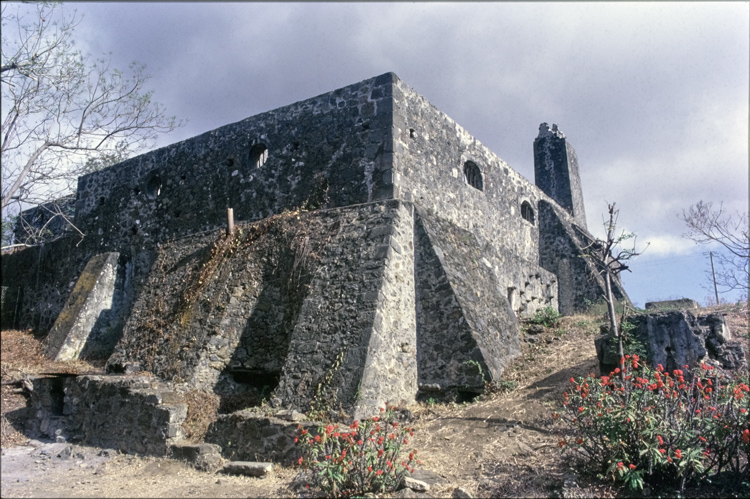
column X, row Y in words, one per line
column 612, row 317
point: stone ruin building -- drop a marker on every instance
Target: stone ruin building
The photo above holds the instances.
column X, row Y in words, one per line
column 380, row 253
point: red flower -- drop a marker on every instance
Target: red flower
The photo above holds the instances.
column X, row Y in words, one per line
column 572, row 380
column 581, row 409
column 561, row 443
column 662, row 451
column 379, row 472
column 375, row 418
column 632, row 466
column 620, row 465
column 678, row 454
column 746, row 436
column 579, row 441
column 661, row 441
column 300, row 460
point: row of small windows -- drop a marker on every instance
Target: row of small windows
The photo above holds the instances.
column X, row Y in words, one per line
column 473, row 177
column 258, row 157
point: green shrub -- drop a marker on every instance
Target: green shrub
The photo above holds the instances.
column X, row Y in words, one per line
column 656, row 427
column 364, row 458
column 547, row 317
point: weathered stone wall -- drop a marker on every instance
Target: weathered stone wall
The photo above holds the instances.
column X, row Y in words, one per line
column 467, row 331
column 286, row 301
column 133, row 414
column 43, row 278
column 45, row 221
column 430, row 154
column 323, row 151
column 556, row 171
column 87, row 326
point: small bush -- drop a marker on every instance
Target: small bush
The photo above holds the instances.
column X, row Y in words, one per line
column 656, row 427
column 364, row 458
column 547, row 317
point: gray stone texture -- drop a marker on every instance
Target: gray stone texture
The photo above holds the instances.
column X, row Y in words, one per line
column 202, row 456
column 247, row 436
column 87, row 321
column 133, row 414
column 556, row 171
column 561, row 244
column 682, row 303
column 678, row 338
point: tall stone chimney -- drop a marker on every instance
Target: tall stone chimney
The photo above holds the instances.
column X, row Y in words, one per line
column 556, row 171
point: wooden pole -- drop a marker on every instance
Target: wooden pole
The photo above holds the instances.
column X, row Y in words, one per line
column 230, row 221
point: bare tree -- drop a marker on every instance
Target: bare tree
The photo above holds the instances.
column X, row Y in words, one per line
column 610, row 257
column 61, row 113
column 709, row 225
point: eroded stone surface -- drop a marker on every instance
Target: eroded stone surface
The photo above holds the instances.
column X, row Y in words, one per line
column 677, row 338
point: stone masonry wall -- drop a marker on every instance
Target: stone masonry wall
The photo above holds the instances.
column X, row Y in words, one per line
column 561, row 252
column 281, row 305
column 323, row 151
column 467, row 331
column 430, row 154
column 133, row 414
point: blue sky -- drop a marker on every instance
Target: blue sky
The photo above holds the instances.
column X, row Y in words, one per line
column 653, row 96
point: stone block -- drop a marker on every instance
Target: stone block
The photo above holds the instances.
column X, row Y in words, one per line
column 202, row 456
column 681, row 304
column 416, row 485
column 248, row 468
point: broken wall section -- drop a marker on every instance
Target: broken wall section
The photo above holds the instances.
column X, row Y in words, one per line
column 133, row 414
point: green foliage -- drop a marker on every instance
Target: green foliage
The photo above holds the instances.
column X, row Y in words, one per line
column 656, row 427
column 363, row 458
column 547, row 317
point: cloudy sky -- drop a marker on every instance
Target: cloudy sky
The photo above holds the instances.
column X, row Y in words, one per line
column 653, row 96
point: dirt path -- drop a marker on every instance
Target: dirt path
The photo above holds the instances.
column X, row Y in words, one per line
column 64, row 470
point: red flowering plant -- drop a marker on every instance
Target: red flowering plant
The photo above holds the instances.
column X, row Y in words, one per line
column 364, row 457
column 649, row 425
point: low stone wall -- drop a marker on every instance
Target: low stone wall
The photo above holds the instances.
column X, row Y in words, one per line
column 133, row 414
column 247, row 436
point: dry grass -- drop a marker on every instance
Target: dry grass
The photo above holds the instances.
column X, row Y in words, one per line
column 202, row 410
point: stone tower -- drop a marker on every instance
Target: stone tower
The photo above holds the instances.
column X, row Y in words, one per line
column 556, row 171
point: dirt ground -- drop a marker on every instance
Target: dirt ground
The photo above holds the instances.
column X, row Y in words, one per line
column 500, row 445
